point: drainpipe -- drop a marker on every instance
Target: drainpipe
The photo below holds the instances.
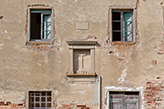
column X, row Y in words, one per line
column 99, row 92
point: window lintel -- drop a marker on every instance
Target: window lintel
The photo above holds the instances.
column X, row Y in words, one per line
column 82, row 42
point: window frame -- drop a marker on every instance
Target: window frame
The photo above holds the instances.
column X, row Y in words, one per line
column 29, row 25
column 28, row 96
column 122, row 9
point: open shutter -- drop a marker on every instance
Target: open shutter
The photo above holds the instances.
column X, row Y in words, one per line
column 127, row 26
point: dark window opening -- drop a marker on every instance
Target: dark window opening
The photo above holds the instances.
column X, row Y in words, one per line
column 122, row 25
column 40, row 100
column 40, row 25
column 124, row 100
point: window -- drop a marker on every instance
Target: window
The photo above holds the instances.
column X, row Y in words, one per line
column 39, row 99
column 124, row 100
column 122, row 25
column 40, row 24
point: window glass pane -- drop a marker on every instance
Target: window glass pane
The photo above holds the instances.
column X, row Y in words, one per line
column 116, row 16
column 47, row 18
column 31, row 99
column 116, row 36
column 43, row 105
column 48, row 98
column 46, row 26
column 116, row 25
column 127, row 26
column 48, row 104
column 127, row 36
column 47, row 34
column 127, row 16
column 37, row 93
column 31, row 104
column 37, row 99
column 31, row 94
column 48, row 93
column 37, row 105
column 43, row 99
column 43, row 93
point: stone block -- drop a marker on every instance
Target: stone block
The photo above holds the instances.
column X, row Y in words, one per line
column 82, row 26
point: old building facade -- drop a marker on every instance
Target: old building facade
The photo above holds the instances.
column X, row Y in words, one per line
column 82, row 54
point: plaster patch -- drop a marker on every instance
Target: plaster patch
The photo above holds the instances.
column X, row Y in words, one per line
column 38, row 63
column 123, row 75
column 121, row 79
column 5, row 31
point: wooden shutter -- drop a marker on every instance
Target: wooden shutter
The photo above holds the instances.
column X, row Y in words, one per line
column 124, row 101
column 116, row 101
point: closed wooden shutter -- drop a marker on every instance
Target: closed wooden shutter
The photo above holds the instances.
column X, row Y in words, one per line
column 126, row 100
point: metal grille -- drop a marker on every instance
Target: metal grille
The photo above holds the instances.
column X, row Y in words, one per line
column 39, row 100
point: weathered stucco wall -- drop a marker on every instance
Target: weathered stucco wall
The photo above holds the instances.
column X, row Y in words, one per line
column 26, row 67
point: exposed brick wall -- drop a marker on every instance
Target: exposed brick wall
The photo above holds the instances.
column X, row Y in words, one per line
column 43, row 46
column 74, row 106
column 154, row 94
column 9, row 105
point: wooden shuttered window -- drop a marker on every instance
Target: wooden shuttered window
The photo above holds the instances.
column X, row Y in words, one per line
column 124, row 100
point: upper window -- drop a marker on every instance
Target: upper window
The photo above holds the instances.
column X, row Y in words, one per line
column 40, row 24
column 122, row 25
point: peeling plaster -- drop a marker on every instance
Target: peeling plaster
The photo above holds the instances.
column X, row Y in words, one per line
column 5, row 31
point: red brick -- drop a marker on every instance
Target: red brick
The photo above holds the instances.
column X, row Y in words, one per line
column 154, row 62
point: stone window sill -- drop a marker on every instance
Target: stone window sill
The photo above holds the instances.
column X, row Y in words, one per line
column 39, row 42
column 123, row 43
column 82, row 75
